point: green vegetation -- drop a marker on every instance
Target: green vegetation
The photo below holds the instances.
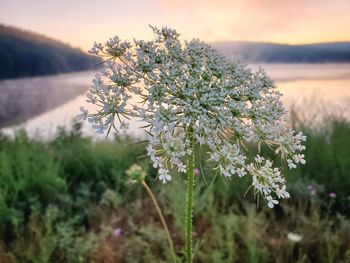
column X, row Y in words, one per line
column 25, row 54
column 61, row 201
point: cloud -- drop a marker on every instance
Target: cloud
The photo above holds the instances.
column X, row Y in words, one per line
column 288, row 21
column 264, row 20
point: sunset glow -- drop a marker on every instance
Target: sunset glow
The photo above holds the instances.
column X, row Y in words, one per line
column 80, row 23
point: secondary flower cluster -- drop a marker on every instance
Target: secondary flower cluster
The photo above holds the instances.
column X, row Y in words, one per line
column 190, row 96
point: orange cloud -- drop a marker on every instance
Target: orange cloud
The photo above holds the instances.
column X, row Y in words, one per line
column 287, row 21
column 293, row 21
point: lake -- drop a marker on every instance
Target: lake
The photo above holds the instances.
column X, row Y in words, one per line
column 312, row 89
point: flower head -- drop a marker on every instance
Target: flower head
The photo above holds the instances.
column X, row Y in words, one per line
column 196, row 171
column 312, row 190
column 191, row 96
column 117, row 231
column 294, row 237
column 332, row 195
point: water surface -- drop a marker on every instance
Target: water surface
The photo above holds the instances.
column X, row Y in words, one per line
column 313, row 89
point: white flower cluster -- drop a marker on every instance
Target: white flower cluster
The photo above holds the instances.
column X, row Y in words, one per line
column 191, row 96
column 267, row 180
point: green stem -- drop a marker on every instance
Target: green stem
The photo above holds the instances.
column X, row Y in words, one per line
column 159, row 211
column 189, row 207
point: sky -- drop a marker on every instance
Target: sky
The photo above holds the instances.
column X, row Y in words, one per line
column 81, row 22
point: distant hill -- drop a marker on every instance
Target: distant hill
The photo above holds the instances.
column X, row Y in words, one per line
column 24, row 53
column 255, row 52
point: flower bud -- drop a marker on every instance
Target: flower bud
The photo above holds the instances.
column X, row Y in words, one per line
column 136, row 173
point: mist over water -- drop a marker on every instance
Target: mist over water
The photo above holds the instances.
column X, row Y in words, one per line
column 311, row 89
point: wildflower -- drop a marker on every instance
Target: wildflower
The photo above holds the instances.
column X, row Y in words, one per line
column 192, row 97
column 294, row 237
column 299, row 158
column 240, row 172
column 181, row 167
column 164, row 175
column 124, row 125
column 83, row 115
column 117, row 231
column 271, row 202
column 258, row 159
column 291, row 165
column 312, row 190
column 332, row 195
column 196, row 171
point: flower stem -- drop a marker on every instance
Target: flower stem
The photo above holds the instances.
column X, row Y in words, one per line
column 189, row 207
column 160, row 214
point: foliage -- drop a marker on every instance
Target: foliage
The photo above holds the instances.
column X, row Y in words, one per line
column 60, row 201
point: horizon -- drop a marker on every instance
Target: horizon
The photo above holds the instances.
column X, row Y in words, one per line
column 79, row 24
column 212, row 42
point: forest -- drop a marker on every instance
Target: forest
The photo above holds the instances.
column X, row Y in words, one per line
column 26, row 54
column 259, row 52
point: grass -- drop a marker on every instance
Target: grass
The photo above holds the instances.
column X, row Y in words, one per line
column 61, row 200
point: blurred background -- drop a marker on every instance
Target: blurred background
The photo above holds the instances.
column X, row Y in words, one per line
column 64, row 196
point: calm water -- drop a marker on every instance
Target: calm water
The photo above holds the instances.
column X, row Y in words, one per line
column 313, row 89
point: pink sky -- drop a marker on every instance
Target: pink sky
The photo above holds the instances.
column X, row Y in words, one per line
column 81, row 22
